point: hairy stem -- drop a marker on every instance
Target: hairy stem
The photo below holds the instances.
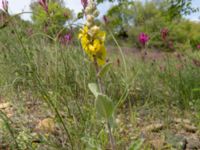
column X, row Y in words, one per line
column 112, row 141
column 100, row 85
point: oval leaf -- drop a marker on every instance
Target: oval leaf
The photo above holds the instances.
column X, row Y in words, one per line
column 94, row 89
column 104, row 106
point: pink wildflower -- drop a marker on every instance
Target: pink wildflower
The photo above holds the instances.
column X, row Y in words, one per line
column 68, row 37
column 84, row 3
column 44, row 4
column 198, row 46
column 5, row 5
column 143, row 38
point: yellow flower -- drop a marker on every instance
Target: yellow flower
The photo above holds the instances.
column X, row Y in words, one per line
column 93, row 44
column 101, row 35
column 96, row 46
column 101, row 56
column 83, row 32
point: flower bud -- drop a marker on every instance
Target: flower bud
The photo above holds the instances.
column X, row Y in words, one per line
column 89, row 24
column 96, row 13
column 88, row 10
column 90, row 18
column 84, row 3
column 93, row 6
column 95, row 29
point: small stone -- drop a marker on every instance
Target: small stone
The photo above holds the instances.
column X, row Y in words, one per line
column 9, row 115
column 118, row 120
column 121, row 130
column 154, row 127
column 129, row 125
column 46, row 125
column 5, row 105
column 179, row 120
column 193, row 144
column 190, row 128
column 157, row 144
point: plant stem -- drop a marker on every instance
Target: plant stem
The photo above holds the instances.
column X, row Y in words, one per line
column 112, row 141
column 98, row 79
column 121, row 53
column 8, row 126
column 99, row 82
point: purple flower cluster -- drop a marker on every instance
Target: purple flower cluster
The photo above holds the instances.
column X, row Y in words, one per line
column 143, row 38
column 66, row 39
column 44, row 4
column 84, row 3
column 5, row 5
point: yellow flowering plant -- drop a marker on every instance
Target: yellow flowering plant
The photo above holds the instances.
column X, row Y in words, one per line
column 92, row 40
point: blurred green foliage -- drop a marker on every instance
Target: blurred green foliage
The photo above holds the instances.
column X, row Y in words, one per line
column 177, row 8
column 52, row 21
column 128, row 19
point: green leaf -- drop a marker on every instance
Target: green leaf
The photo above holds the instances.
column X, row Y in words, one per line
column 102, row 136
column 94, row 89
column 196, row 90
column 104, row 70
column 136, row 145
column 104, row 106
column 80, row 15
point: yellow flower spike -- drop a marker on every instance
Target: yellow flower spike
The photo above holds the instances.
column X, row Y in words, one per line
column 83, row 32
column 92, row 39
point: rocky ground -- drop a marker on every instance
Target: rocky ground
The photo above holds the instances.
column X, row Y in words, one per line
column 175, row 133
